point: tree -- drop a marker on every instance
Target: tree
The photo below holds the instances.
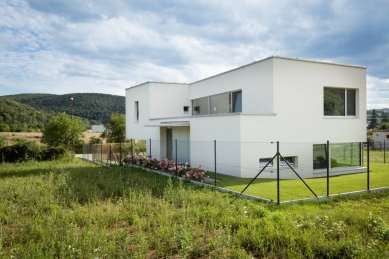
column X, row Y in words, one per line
column 95, row 140
column 115, row 130
column 62, row 131
column 373, row 120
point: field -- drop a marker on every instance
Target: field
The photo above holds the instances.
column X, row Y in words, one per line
column 76, row 209
column 36, row 136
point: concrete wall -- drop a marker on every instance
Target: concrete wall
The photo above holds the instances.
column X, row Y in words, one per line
column 168, row 100
column 255, row 81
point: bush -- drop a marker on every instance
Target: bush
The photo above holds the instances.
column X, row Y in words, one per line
column 53, row 153
column 20, row 152
column 29, row 150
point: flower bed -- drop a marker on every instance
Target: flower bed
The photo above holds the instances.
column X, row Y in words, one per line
column 166, row 165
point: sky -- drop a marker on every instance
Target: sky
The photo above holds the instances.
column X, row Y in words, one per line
column 101, row 46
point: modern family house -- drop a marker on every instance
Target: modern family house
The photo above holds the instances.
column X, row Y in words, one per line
column 300, row 103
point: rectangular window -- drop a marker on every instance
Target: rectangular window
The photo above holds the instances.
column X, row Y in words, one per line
column 200, row 106
column 237, row 101
column 186, row 109
column 289, row 159
column 339, row 102
column 345, row 154
column 319, row 156
column 136, row 111
column 230, row 102
column 264, row 161
column 351, row 110
column 220, row 103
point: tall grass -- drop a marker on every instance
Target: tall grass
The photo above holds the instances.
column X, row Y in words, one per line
column 75, row 209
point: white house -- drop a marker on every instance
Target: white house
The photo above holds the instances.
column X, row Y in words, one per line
column 98, row 128
column 381, row 139
column 300, row 103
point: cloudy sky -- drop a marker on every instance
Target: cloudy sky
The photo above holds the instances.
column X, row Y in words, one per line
column 105, row 46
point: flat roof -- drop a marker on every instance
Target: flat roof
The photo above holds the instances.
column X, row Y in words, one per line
column 261, row 60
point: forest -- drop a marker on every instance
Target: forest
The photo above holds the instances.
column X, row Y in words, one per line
column 30, row 112
column 93, row 106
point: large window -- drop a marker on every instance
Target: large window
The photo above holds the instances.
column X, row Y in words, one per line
column 230, row 102
column 340, row 154
column 220, row 103
column 339, row 102
column 200, row 106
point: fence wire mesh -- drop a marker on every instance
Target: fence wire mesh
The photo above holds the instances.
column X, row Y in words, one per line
column 273, row 171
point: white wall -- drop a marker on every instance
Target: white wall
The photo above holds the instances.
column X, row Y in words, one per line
column 98, row 128
column 299, row 101
column 255, row 81
column 168, row 100
column 381, row 136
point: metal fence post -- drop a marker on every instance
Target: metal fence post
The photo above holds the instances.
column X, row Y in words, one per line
column 176, row 161
column 110, row 152
column 120, row 157
column 150, row 156
column 278, row 172
column 132, row 154
column 384, row 153
column 368, row 165
column 328, row 167
column 215, row 160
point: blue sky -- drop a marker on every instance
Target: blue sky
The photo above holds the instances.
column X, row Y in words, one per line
column 101, row 46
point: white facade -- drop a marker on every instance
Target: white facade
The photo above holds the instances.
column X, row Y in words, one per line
column 282, row 99
column 98, row 128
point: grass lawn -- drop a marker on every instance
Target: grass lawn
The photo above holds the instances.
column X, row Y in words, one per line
column 76, row 209
column 296, row 189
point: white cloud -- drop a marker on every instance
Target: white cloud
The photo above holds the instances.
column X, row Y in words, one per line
column 60, row 46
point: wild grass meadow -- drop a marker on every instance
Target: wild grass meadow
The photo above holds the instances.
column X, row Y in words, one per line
column 76, row 209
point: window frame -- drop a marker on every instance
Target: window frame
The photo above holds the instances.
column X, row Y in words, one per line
column 136, row 111
column 345, row 104
column 231, row 105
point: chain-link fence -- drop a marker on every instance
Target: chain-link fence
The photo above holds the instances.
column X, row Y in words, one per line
column 273, row 171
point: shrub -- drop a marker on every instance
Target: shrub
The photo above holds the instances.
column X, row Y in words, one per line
column 20, row 152
column 53, row 153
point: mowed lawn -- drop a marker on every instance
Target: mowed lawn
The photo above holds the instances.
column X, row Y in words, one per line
column 76, row 209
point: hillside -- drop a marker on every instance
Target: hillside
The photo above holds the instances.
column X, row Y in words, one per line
column 19, row 117
column 92, row 106
column 15, row 116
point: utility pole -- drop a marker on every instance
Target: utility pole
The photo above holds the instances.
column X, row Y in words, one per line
column 71, row 105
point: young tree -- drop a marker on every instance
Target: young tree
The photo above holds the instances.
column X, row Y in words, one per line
column 62, row 131
column 373, row 120
column 115, row 130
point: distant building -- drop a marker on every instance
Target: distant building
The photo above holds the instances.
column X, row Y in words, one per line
column 98, row 128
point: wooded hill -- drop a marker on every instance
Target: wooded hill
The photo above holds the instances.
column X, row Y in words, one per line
column 92, row 106
column 18, row 117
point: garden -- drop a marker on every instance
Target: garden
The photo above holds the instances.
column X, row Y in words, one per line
column 77, row 209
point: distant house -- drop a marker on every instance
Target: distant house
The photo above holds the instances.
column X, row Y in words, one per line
column 381, row 139
column 98, row 128
column 247, row 109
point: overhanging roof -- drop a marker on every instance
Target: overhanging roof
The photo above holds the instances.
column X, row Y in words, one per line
column 171, row 124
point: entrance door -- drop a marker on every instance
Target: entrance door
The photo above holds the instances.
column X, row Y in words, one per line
column 169, row 143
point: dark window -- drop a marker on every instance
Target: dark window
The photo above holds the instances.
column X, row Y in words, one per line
column 136, row 115
column 186, row 109
column 237, row 101
column 339, row 102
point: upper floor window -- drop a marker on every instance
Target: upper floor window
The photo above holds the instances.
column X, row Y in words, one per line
column 136, row 111
column 339, row 102
column 230, row 102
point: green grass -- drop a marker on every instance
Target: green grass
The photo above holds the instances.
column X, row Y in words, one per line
column 296, row 189
column 76, row 209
